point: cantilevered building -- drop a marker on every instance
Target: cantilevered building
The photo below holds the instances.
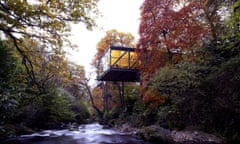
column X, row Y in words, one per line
column 118, row 64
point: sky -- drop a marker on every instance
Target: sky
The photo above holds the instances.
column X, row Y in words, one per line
column 122, row 15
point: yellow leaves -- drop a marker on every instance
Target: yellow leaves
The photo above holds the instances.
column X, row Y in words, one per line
column 46, row 20
column 40, row 29
column 77, row 13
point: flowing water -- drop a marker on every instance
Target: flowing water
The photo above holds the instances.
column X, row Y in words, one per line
column 84, row 134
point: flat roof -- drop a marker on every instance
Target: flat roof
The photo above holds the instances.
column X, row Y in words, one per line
column 122, row 48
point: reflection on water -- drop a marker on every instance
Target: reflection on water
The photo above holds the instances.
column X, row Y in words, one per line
column 85, row 134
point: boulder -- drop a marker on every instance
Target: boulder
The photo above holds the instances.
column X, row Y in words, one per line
column 195, row 137
column 157, row 134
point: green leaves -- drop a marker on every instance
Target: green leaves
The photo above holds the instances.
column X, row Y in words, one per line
column 177, row 81
column 11, row 80
column 38, row 30
column 44, row 21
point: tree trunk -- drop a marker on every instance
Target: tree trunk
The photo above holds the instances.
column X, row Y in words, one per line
column 121, row 95
column 99, row 112
column 105, row 98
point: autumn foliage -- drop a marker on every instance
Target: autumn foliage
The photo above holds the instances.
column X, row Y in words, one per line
column 153, row 99
column 166, row 30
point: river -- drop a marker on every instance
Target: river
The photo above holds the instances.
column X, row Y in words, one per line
column 85, row 134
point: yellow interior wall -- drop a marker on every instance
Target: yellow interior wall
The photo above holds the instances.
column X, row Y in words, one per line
column 133, row 58
column 123, row 62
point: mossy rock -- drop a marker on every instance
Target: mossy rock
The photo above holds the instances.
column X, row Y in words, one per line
column 10, row 130
column 155, row 134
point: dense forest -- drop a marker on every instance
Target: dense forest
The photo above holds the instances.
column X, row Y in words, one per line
column 40, row 87
column 188, row 55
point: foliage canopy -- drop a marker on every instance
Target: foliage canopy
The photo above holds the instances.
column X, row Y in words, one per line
column 46, row 21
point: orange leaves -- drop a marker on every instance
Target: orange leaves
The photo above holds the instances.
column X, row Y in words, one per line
column 153, row 99
column 150, row 60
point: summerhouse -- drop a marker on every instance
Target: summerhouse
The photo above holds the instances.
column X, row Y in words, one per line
column 118, row 64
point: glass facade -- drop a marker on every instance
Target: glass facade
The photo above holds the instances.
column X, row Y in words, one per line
column 133, row 60
column 119, row 59
column 106, row 60
column 118, row 64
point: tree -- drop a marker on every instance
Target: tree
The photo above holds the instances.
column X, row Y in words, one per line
column 169, row 31
column 49, row 68
column 58, row 97
column 236, row 16
column 12, row 81
column 168, row 28
column 225, row 91
column 199, row 90
column 46, row 21
column 226, row 45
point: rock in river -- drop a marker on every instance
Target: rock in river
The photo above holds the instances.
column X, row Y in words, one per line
column 158, row 134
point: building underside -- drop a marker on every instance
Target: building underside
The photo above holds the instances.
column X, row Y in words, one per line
column 119, row 74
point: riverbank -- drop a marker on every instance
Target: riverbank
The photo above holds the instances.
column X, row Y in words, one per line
column 12, row 130
column 157, row 134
